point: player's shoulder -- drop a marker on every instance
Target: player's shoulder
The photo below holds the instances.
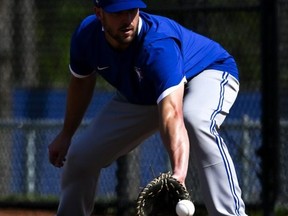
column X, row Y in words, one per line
column 154, row 18
column 89, row 28
column 159, row 31
column 83, row 38
column 88, row 24
column 159, row 24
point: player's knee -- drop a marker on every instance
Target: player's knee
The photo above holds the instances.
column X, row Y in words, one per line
column 75, row 164
column 81, row 164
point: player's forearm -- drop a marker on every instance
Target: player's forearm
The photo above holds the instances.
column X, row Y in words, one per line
column 175, row 138
column 80, row 92
column 173, row 132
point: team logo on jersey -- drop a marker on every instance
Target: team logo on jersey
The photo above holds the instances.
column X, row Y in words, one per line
column 139, row 73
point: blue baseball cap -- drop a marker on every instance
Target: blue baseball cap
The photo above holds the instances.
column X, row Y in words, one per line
column 112, row 6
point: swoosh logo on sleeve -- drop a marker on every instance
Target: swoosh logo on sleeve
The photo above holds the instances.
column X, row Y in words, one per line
column 102, row 68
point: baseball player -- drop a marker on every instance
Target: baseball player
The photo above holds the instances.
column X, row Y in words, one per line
column 168, row 78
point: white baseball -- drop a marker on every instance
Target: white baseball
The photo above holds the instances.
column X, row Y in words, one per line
column 185, row 208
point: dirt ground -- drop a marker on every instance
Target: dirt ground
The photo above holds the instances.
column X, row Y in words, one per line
column 34, row 212
column 25, row 212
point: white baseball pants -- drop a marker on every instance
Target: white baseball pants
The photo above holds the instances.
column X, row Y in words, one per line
column 120, row 127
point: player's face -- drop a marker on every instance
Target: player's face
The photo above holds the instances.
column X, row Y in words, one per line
column 120, row 28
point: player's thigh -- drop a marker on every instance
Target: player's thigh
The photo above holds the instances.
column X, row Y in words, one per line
column 208, row 99
column 114, row 131
column 209, row 95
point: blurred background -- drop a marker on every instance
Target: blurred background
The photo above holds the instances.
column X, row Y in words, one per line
column 34, row 57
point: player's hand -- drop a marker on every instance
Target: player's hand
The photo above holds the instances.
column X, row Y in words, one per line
column 58, row 149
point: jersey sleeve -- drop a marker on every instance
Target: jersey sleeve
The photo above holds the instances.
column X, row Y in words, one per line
column 80, row 50
column 165, row 65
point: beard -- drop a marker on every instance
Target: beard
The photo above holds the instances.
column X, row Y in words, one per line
column 123, row 35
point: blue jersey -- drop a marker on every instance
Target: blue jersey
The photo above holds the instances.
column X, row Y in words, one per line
column 163, row 55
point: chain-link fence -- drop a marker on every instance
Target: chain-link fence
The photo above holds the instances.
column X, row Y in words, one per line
column 34, row 58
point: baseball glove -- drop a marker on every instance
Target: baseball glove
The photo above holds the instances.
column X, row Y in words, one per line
column 161, row 196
